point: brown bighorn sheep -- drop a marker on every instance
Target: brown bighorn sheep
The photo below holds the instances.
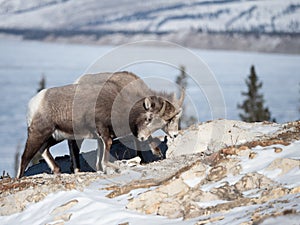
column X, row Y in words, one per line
column 124, row 78
column 103, row 112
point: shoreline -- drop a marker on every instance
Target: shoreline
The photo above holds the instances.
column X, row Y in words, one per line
column 264, row 43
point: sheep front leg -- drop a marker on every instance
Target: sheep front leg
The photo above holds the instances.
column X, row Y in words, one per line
column 100, row 155
column 103, row 155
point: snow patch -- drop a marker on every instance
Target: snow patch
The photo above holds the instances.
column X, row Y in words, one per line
column 210, row 203
column 193, row 182
column 266, row 155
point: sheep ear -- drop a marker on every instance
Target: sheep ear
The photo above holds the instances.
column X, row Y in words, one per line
column 147, row 104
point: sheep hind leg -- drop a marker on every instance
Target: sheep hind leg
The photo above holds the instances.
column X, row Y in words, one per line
column 74, row 148
column 34, row 143
column 48, row 157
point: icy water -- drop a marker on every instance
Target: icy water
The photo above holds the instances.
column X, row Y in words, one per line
column 22, row 63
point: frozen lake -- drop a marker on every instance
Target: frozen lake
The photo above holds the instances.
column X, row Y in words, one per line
column 22, row 63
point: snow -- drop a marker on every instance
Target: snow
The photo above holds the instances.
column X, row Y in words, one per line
column 94, row 208
column 290, row 179
column 292, row 220
column 210, row 203
column 264, row 157
column 216, row 16
column 193, row 182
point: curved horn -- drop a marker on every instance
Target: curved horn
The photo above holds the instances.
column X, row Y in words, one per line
column 181, row 99
column 163, row 108
column 174, row 97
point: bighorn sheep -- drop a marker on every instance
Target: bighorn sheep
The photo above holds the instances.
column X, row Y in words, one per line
column 102, row 112
column 123, row 79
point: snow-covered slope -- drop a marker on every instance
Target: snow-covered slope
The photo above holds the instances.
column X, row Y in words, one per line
column 256, row 182
column 263, row 25
column 270, row 16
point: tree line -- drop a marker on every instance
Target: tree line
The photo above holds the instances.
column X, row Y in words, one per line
column 252, row 109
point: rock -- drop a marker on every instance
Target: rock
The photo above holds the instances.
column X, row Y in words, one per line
column 284, row 164
column 196, row 195
column 217, row 173
column 232, row 166
column 252, row 155
column 65, row 217
column 244, row 151
column 265, row 143
column 172, row 209
column 194, row 175
column 295, row 190
column 219, row 134
column 226, row 192
column 253, row 181
column 192, row 210
column 195, row 172
column 210, row 220
column 175, row 188
column 147, row 202
column 163, row 200
column 64, row 207
column 247, row 223
column 277, row 150
column 272, row 194
column 243, row 148
column 151, row 208
column 229, row 151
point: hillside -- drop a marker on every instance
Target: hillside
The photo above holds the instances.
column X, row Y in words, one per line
column 218, row 24
column 233, row 173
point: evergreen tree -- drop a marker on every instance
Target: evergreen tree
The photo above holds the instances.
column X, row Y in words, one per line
column 42, row 84
column 182, row 81
column 17, row 157
column 253, row 105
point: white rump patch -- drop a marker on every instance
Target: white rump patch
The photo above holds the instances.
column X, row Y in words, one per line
column 34, row 105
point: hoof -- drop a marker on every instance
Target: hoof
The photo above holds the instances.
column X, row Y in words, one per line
column 56, row 171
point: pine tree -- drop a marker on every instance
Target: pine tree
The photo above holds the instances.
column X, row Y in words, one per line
column 182, row 81
column 253, row 106
column 42, row 84
column 17, row 157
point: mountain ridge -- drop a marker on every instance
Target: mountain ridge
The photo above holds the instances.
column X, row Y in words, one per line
column 132, row 20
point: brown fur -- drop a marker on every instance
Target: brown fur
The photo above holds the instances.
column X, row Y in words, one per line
column 81, row 111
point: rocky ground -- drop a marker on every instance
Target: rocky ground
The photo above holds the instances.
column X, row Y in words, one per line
column 219, row 172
